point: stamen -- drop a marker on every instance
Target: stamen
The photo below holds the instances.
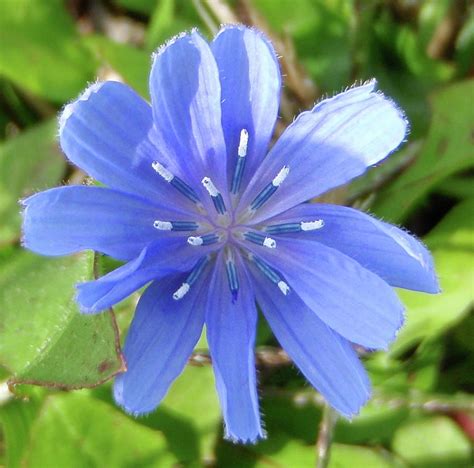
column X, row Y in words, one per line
column 270, row 189
column 295, row 227
column 284, row 288
column 215, row 195
column 281, row 176
column 312, row 225
column 260, row 239
column 232, row 277
column 181, row 291
column 271, row 274
column 203, row 240
column 175, row 225
column 244, row 139
column 191, row 279
column 240, row 165
column 175, row 181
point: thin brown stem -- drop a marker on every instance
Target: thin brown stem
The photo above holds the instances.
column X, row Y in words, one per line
column 325, row 436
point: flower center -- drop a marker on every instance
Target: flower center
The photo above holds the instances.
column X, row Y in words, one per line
column 223, row 231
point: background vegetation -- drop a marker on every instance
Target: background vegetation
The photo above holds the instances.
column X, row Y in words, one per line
column 422, row 53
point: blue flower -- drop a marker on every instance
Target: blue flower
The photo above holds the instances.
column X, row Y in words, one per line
column 197, row 207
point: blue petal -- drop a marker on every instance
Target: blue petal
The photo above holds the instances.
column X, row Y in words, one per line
column 161, row 338
column 186, row 100
column 159, row 259
column 105, row 133
column 354, row 302
column 393, row 254
column 326, row 359
column 65, row 220
column 231, row 325
column 251, row 82
column 328, row 146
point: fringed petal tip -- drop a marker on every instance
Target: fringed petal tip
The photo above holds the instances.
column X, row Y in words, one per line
column 68, row 109
column 81, row 300
column 406, row 128
column 242, row 27
column 386, row 345
column 247, row 439
column 370, row 86
column 172, row 41
column 353, row 410
column 117, row 392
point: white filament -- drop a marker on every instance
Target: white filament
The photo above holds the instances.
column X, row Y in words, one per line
column 181, row 291
column 163, row 225
column 167, row 175
column 281, row 176
column 244, row 139
column 311, row 225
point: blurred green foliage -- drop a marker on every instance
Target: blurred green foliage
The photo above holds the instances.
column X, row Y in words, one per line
column 422, row 413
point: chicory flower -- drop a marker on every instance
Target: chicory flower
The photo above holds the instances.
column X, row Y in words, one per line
column 196, row 206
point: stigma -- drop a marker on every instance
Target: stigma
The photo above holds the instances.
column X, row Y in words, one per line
column 191, row 278
column 270, row 189
column 295, row 227
column 175, row 225
column 240, row 164
column 175, row 181
column 215, row 195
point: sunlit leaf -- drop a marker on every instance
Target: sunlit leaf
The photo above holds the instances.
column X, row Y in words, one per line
column 452, row 244
column 91, row 433
column 447, row 150
column 43, row 338
column 131, row 64
column 28, row 162
column 434, row 441
column 41, row 51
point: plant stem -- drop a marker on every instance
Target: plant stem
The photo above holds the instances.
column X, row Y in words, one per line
column 325, row 436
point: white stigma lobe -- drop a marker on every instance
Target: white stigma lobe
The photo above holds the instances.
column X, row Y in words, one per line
column 281, row 176
column 162, row 171
column 284, row 288
column 312, row 225
column 195, row 240
column 243, row 143
column 181, row 291
column 269, row 242
column 163, row 225
column 210, row 187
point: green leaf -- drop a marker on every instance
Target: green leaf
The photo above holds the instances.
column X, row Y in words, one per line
column 43, row 338
column 465, row 44
column 132, row 64
column 144, row 7
column 16, row 419
column 447, row 150
column 279, row 451
column 343, row 456
column 192, row 406
column 433, row 442
column 321, row 32
column 452, row 245
column 52, row 63
column 74, row 430
column 29, row 161
column 457, row 187
column 376, row 423
column 169, row 18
